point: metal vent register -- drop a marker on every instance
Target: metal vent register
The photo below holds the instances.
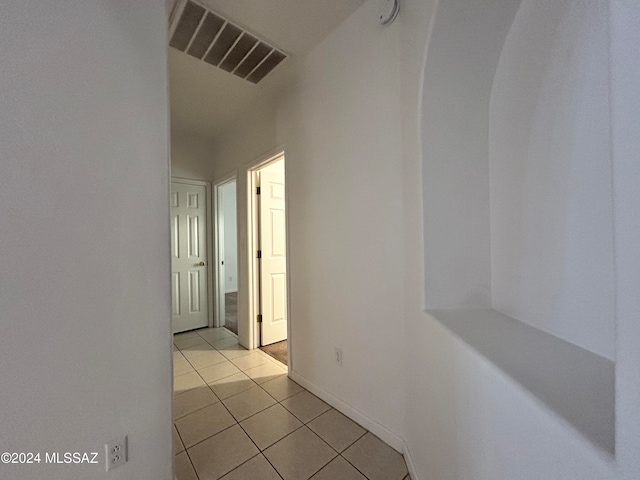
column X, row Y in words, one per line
column 213, row 39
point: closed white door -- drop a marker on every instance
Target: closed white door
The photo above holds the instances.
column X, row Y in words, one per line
column 273, row 263
column 188, row 257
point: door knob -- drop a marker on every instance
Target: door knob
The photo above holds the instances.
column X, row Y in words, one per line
column 202, row 264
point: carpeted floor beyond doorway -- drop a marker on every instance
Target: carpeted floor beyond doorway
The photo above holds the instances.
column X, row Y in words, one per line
column 277, row 350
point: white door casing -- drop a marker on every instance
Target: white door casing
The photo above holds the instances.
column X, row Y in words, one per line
column 188, row 257
column 273, row 264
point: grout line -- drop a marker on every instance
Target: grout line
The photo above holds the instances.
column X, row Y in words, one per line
column 175, row 419
column 210, row 437
column 347, row 460
column 356, row 440
column 261, row 451
column 185, row 451
column 182, row 374
column 205, row 366
column 278, row 441
column 192, row 465
column 325, row 466
column 180, row 437
column 311, row 419
column 278, row 402
column 248, row 460
column 325, row 442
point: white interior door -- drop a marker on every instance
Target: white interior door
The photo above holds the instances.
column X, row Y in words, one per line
column 273, row 265
column 188, row 256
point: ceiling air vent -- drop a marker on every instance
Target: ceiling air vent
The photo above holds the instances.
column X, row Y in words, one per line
column 209, row 37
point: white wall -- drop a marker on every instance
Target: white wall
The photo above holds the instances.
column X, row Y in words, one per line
column 465, row 418
column 340, row 124
column 625, row 124
column 254, row 135
column 84, row 242
column 191, row 156
column 354, row 173
column 344, row 183
column 463, row 54
column 551, row 199
column 228, row 194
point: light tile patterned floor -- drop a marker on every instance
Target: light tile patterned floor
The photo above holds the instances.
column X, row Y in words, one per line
column 238, row 416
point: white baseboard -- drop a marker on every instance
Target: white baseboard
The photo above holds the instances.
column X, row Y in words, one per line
column 409, row 461
column 386, row 435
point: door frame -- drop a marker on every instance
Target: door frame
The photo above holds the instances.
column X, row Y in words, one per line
column 209, row 242
column 253, row 242
column 218, row 241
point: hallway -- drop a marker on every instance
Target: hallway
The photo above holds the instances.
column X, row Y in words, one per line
column 238, row 416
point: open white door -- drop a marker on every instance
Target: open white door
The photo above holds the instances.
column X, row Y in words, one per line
column 188, row 257
column 273, row 265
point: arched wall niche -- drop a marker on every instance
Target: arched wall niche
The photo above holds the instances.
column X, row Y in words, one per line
column 517, row 193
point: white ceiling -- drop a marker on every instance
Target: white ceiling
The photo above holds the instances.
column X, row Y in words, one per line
column 204, row 99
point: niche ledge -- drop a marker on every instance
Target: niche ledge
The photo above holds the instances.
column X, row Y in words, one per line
column 576, row 384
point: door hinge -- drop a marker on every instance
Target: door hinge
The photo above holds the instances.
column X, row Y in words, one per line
column 259, row 254
column 257, row 190
column 259, row 318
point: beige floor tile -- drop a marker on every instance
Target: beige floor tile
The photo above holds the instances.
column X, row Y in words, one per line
column 300, row 455
column 178, row 446
column 228, row 386
column 187, row 382
column 184, row 469
column 265, row 372
column 339, row 468
column 220, row 370
column 206, row 358
column 183, row 335
column 180, row 365
column 222, row 453
column 234, row 351
column 281, row 387
column 224, row 343
column 203, row 424
column 376, row 459
column 247, row 403
column 277, row 362
column 246, row 362
column 305, row 406
column 270, row 425
column 192, row 400
column 255, row 469
column 187, row 342
column 213, row 334
column 196, row 350
column 336, row 429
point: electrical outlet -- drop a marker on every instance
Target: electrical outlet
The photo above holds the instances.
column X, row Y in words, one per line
column 116, row 453
column 338, row 356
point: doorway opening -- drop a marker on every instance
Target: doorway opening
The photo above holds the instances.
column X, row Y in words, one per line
column 226, row 239
column 269, row 285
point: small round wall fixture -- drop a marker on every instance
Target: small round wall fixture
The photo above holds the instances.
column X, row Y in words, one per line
column 388, row 11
